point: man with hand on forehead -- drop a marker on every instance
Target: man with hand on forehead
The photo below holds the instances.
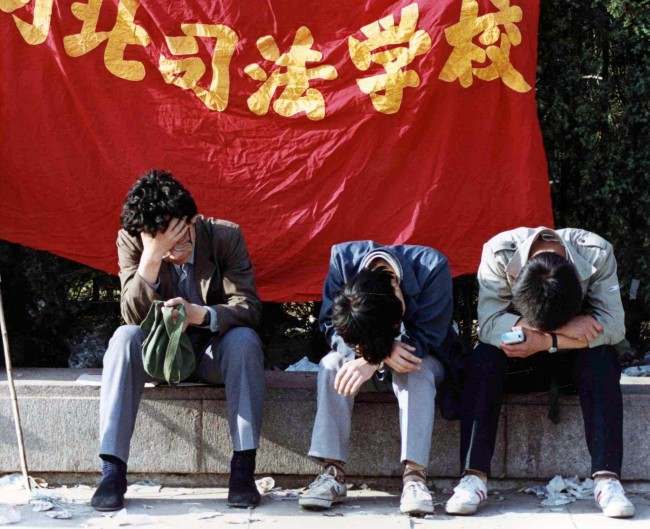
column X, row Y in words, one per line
column 386, row 310
column 549, row 315
column 168, row 252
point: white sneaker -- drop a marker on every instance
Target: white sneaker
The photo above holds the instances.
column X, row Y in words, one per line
column 416, row 499
column 610, row 497
column 470, row 492
column 323, row 492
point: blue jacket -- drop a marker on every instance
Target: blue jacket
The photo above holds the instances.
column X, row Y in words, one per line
column 428, row 295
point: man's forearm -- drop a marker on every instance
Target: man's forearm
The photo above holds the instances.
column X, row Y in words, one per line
column 564, row 342
column 149, row 267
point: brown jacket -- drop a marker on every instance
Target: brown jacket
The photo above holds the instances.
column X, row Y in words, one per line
column 222, row 269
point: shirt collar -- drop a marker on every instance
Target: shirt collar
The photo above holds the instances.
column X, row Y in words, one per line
column 190, row 261
column 386, row 256
column 584, row 268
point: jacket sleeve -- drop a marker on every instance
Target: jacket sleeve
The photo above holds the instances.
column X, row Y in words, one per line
column 603, row 299
column 494, row 300
column 136, row 294
column 333, row 285
column 242, row 306
column 429, row 325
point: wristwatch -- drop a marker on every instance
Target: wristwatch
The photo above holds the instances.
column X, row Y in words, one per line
column 553, row 348
column 206, row 319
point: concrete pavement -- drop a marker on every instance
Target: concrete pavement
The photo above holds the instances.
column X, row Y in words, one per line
column 205, row 508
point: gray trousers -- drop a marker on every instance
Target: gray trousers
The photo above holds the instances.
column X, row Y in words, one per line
column 416, row 395
column 236, row 359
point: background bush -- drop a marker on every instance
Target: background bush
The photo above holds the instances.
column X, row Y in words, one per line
column 593, row 95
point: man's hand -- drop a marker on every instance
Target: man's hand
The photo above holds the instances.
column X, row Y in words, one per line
column 583, row 327
column 536, row 341
column 402, row 359
column 352, row 375
column 158, row 246
column 194, row 313
column 154, row 249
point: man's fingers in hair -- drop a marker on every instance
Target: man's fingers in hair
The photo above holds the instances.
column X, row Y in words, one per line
column 174, row 223
column 180, row 231
column 177, row 230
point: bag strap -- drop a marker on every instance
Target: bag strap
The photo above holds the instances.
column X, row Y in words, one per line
column 174, row 331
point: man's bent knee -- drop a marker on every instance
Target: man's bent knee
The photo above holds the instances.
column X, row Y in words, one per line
column 125, row 342
column 331, row 362
column 487, row 356
column 243, row 345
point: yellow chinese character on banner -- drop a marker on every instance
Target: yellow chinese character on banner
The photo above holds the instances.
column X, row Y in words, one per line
column 297, row 96
column 186, row 73
column 35, row 32
column 124, row 32
column 460, row 37
column 386, row 90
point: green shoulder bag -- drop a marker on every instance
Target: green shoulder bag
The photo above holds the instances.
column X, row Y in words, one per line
column 167, row 352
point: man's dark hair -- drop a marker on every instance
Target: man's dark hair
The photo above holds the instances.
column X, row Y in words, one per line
column 547, row 292
column 367, row 314
column 155, row 199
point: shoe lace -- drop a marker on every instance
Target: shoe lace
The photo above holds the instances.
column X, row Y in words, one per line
column 609, row 489
column 468, row 486
column 323, row 479
column 416, row 489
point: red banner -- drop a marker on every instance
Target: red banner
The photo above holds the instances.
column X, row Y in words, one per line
column 308, row 123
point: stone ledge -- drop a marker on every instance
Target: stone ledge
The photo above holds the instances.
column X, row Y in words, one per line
column 183, row 430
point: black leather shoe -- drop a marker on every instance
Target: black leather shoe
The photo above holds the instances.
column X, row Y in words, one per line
column 242, row 491
column 109, row 496
column 244, row 499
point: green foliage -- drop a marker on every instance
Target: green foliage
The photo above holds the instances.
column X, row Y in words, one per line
column 52, row 305
column 593, row 92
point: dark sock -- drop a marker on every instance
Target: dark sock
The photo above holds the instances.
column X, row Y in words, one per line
column 113, row 469
column 242, row 468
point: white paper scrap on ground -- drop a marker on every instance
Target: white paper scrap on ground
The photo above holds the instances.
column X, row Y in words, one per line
column 41, row 505
column 59, row 514
column 265, row 485
column 9, row 515
column 562, row 491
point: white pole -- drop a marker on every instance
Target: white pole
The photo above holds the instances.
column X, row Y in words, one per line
column 12, row 392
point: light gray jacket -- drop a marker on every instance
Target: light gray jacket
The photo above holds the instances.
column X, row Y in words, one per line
column 505, row 254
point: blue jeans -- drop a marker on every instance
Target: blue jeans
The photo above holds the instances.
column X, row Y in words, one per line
column 595, row 373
